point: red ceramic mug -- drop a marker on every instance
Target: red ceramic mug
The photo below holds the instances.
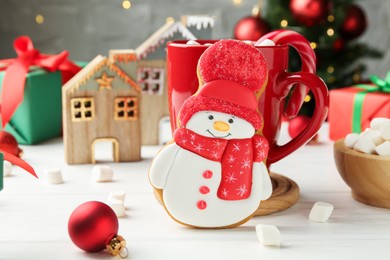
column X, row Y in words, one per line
column 182, row 61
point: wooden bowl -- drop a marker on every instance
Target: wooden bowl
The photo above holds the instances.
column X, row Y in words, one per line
column 367, row 175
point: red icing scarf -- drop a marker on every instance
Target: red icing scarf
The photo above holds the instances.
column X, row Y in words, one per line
column 236, row 157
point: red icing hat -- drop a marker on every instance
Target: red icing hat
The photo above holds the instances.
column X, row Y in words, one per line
column 232, row 71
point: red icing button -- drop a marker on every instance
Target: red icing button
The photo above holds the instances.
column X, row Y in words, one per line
column 204, row 189
column 201, row 204
column 207, row 174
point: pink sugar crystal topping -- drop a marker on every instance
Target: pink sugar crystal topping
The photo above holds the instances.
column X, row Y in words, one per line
column 236, row 61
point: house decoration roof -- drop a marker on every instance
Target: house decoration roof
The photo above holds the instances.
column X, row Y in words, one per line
column 89, row 71
column 198, row 21
column 124, row 56
column 160, row 37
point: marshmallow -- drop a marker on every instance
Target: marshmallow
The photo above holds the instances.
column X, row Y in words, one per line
column 384, row 129
column 373, row 135
column 364, row 145
column 118, row 195
column 118, row 207
column 266, row 42
column 102, row 173
column 350, row 140
column 321, row 212
column 53, row 176
column 7, row 168
column 268, row 235
column 383, row 149
column 192, row 42
column 377, row 122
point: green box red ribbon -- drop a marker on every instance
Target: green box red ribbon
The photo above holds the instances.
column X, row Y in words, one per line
column 31, row 92
column 352, row 109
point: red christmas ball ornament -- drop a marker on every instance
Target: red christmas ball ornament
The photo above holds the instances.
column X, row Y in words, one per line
column 93, row 227
column 310, row 12
column 251, row 28
column 338, row 45
column 354, row 24
column 298, row 124
column 9, row 144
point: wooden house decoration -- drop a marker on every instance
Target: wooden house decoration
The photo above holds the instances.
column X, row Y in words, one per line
column 101, row 103
column 151, row 76
column 201, row 26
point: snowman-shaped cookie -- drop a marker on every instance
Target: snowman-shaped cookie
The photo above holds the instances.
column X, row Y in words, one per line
column 213, row 175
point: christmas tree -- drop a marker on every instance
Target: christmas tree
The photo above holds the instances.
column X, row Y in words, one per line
column 331, row 26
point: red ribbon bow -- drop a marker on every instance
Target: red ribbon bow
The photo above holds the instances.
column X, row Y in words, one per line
column 16, row 72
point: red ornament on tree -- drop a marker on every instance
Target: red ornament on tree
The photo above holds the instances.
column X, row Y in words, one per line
column 310, row 12
column 93, row 227
column 354, row 24
column 251, row 28
column 9, row 144
column 338, row 45
column 297, row 125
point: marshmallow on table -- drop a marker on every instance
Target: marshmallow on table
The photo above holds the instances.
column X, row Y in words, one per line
column 321, row 212
column 384, row 129
column 351, row 139
column 377, row 122
column 118, row 195
column 7, row 168
column 53, row 176
column 373, row 135
column 364, row 145
column 383, row 149
column 118, row 207
column 102, row 173
column 268, row 235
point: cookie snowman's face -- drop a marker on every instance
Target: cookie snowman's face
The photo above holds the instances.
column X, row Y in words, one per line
column 220, row 125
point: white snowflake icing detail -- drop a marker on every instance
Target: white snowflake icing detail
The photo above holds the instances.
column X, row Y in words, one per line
column 193, row 137
column 236, row 147
column 217, row 144
column 231, row 159
column 214, row 154
column 246, row 164
column 259, row 144
column 225, row 193
column 184, row 141
column 241, row 191
column 231, row 178
column 261, row 154
column 198, row 147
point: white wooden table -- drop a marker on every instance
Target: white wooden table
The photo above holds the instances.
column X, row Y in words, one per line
column 34, row 215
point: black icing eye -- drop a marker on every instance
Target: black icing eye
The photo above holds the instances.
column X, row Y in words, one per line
column 211, row 117
column 231, row 121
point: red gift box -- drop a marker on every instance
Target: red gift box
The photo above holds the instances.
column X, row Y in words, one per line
column 342, row 105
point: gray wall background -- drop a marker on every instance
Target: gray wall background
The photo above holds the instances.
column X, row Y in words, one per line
column 90, row 27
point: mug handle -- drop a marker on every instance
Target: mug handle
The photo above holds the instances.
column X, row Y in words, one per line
column 285, row 82
column 308, row 60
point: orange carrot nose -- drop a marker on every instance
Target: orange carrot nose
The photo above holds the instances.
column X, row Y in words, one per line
column 221, row 126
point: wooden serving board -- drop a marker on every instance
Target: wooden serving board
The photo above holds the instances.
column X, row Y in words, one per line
column 285, row 194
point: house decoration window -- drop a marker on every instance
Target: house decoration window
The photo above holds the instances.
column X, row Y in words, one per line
column 151, row 80
column 126, row 108
column 82, row 109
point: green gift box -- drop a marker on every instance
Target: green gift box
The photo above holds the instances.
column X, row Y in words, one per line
column 38, row 117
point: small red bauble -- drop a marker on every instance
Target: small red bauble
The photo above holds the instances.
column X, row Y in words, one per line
column 251, row 28
column 9, row 144
column 92, row 225
column 298, row 124
column 354, row 24
column 338, row 45
column 310, row 12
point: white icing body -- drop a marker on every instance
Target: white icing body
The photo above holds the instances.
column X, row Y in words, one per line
column 180, row 173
